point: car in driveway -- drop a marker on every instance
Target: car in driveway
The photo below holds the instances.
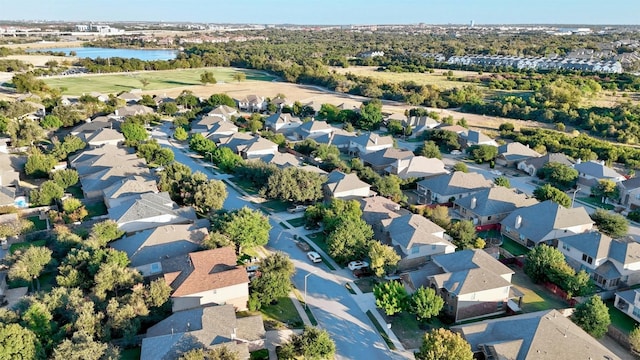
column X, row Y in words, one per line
column 297, row 208
column 355, row 265
column 314, row 257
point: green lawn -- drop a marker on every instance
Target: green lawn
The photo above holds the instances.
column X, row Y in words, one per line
column 513, row 247
column 37, row 223
column 297, row 222
column 97, row 209
column 406, row 328
column 21, row 245
column 130, row 354
column 245, row 185
column 595, row 202
column 620, row 320
column 535, row 298
column 164, row 79
column 319, row 239
column 282, row 315
column 275, row 206
column 76, row 191
column 380, row 330
column 262, row 354
column 366, row 285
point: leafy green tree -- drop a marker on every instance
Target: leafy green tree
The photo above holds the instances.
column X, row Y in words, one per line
column 207, row 77
column 444, row 138
column 483, row 153
column 391, row 296
column 370, row 115
column 180, row 134
column 239, row 76
column 274, row 281
column 328, row 112
column 221, row 99
column 217, row 353
column 65, row 178
column 83, row 346
column 28, row 83
column 200, row 144
column 51, row 122
column 226, row 159
column 209, row 196
column 168, row 108
column 430, row 150
column 17, row 342
column 113, row 278
column 312, row 343
column 460, row 166
column 389, row 186
column 559, row 175
column 606, row 189
column 39, row 165
column 634, row 340
column 425, row 303
column 134, row 131
column 439, row 215
column 612, row 224
column 540, row 259
column 247, row 228
column 464, row 234
column 383, row 258
column 350, row 240
column 548, row 192
column 39, row 319
column 443, row 344
column 294, row 184
column 187, row 99
column 592, row 316
column 502, row 181
column 48, row 192
column 106, row 231
column 340, row 211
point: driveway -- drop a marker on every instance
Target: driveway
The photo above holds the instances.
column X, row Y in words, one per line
column 332, row 305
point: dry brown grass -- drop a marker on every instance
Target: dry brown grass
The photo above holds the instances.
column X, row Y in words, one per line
column 45, row 45
column 40, row 60
column 437, row 78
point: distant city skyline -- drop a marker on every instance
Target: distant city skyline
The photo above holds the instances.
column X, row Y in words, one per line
column 331, row 12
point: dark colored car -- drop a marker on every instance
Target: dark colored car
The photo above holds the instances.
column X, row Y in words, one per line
column 362, row 272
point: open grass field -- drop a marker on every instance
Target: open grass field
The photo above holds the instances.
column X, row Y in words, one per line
column 158, row 80
column 437, row 78
column 535, row 297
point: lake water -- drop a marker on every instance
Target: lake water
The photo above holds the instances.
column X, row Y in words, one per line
column 93, row 53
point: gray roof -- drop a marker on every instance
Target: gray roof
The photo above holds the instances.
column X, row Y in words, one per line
column 456, row 183
column 540, row 219
column 153, row 245
column 337, row 181
column 469, row 281
column 539, row 162
column 281, row 118
column 632, row 183
column 104, row 134
column 315, row 125
column 281, row 160
column 608, row 270
column 108, row 176
column 476, row 137
column 628, row 295
column 534, row 336
column 625, row 251
column 372, row 139
column 496, row 200
column 592, row 243
column 515, row 151
column 470, row 259
column 386, row 157
column 596, row 169
column 132, row 185
column 92, row 126
column 411, row 229
column 149, row 205
column 199, row 328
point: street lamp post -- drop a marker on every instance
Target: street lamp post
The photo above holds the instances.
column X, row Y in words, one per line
column 573, row 199
column 211, row 155
column 305, row 288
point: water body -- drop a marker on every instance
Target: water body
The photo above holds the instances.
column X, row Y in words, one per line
column 93, row 53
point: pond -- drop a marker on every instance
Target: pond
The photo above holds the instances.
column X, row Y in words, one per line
column 93, row 53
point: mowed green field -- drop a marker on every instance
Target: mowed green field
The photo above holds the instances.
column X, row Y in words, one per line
column 158, row 80
column 437, row 78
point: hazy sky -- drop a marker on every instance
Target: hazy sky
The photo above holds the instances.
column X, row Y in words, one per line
column 330, row 11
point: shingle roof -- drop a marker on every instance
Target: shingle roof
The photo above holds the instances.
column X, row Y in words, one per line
column 281, row 118
column 371, row 139
column 477, row 137
column 145, row 206
column 386, row 157
column 496, row 200
column 419, row 167
column 411, row 229
column 104, row 134
column 470, row 259
column 469, row 281
column 516, row 151
column 281, row 160
column 597, row 170
column 110, row 175
column 316, row 125
column 539, row 162
column 130, row 186
column 534, row 336
column 91, row 126
column 625, row 251
column 376, row 208
column 456, row 183
column 592, row 243
column 540, row 219
column 208, row 270
column 632, row 183
column 338, row 182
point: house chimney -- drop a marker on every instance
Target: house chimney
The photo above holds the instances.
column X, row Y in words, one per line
column 474, row 202
column 518, row 221
column 579, row 161
column 233, row 334
column 375, row 140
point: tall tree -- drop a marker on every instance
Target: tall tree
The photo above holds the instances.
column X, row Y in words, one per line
column 239, row 76
column 247, row 228
column 548, row 192
column 133, row 131
column 606, row 189
column 209, row 196
column 443, row 344
column 592, row 316
column 312, row 343
column 350, row 240
column 559, row 175
column 429, row 149
column 207, row 77
column 540, row 259
column 274, row 280
column 502, row 181
column 221, row 99
column 30, row 265
column 391, row 297
column 464, row 235
column 83, row 346
column 425, row 303
column 383, row 258
column 612, row 224
column 17, row 342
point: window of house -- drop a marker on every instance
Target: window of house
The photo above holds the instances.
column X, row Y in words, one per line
column 433, row 247
column 614, row 282
column 636, row 312
column 489, row 218
column 522, row 237
column 566, row 247
column 499, row 305
column 586, row 258
column 415, row 250
column 507, row 229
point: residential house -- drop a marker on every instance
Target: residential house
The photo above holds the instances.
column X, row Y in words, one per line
column 91, row 162
column 203, row 328
column 345, row 186
column 221, row 129
column 281, row 160
column 472, row 284
column 416, row 239
column 151, row 246
column 91, row 126
column 474, row 137
column 369, row 142
column 540, row 335
column 590, row 172
column 10, row 190
column 224, row 112
column 630, row 193
column 280, row 103
column 94, row 183
column 104, row 136
column 207, row 277
column 444, row 188
column 417, row 167
column 491, row 205
column 612, row 263
column 315, row 105
column 207, row 123
column 313, row 129
column 130, row 97
column 89, row 155
column 163, row 99
column 533, row 164
column 545, row 223
column 420, row 124
column 249, row 146
column 380, row 160
column 252, row 103
column 453, row 128
column 375, row 209
column 282, row 122
column 150, row 210
column 101, row 97
column 350, row 105
column 339, row 138
column 133, row 110
column 629, row 303
column 128, row 188
column 512, row 154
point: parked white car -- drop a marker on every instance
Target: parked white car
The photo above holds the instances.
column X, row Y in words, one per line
column 297, row 208
column 355, row 265
column 314, row 257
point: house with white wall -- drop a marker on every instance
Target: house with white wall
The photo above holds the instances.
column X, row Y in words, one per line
column 345, row 186
column 441, row 188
